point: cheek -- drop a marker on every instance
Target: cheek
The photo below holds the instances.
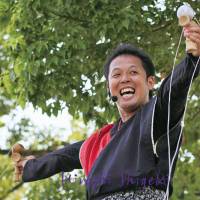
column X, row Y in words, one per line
column 138, row 82
column 112, row 84
column 142, row 85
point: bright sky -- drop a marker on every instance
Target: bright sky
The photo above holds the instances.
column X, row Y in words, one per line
column 41, row 121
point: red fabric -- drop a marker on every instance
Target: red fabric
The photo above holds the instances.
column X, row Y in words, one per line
column 93, row 146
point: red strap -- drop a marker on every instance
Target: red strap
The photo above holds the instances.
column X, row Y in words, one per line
column 93, row 146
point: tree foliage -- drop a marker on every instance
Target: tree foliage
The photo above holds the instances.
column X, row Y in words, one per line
column 52, row 54
column 55, row 50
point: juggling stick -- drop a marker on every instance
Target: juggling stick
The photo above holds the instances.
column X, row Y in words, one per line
column 185, row 15
column 16, row 155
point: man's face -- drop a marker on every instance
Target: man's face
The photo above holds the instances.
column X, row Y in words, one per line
column 128, row 81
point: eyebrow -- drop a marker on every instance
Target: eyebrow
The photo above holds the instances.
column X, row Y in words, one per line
column 131, row 66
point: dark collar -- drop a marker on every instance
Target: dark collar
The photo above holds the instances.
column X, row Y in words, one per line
column 119, row 124
column 115, row 127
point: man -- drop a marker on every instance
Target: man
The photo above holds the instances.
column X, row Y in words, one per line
column 130, row 158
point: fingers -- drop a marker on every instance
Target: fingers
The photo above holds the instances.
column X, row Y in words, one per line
column 18, row 173
column 18, row 159
column 21, row 163
column 19, row 167
column 193, row 33
column 195, row 38
column 18, row 170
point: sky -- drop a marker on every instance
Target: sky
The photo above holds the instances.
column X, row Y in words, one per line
column 41, row 121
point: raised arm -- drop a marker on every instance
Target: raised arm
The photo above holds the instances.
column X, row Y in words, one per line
column 180, row 85
column 65, row 159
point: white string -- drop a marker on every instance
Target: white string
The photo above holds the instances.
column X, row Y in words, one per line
column 170, row 164
column 168, row 118
column 152, row 127
column 182, row 123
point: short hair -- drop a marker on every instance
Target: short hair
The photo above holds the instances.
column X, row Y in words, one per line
column 128, row 49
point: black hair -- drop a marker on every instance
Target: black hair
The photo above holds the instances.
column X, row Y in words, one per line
column 128, row 49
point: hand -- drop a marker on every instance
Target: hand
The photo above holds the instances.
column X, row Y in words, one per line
column 19, row 166
column 192, row 32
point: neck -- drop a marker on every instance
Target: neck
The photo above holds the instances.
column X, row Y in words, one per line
column 125, row 115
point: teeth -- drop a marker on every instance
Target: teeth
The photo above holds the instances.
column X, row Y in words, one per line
column 127, row 90
column 128, row 95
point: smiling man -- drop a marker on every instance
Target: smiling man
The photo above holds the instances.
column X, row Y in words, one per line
column 129, row 80
column 128, row 159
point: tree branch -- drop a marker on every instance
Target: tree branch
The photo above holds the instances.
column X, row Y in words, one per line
column 27, row 152
column 162, row 26
column 33, row 152
column 11, row 190
column 68, row 16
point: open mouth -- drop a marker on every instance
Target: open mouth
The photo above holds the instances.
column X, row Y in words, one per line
column 127, row 91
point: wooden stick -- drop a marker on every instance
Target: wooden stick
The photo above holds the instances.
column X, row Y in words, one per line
column 16, row 155
column 191, row 47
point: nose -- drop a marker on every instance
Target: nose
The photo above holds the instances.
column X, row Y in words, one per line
column 125, row 78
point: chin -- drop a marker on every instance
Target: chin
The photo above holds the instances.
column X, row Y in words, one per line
column 131, row 107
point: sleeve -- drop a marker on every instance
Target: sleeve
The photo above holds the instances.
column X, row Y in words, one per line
column 65, row 159
column 180, row 84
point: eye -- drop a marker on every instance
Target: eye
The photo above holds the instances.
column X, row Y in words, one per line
column 116, row 75
column 133, row 72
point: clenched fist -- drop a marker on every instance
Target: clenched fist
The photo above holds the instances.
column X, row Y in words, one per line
column 193, row 33
column 19, row 166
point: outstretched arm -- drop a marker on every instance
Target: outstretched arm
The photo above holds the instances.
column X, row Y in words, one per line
column 180, row 85
column 65, row 159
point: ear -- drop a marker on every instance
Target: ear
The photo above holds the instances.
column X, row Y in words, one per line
column 151, row 82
